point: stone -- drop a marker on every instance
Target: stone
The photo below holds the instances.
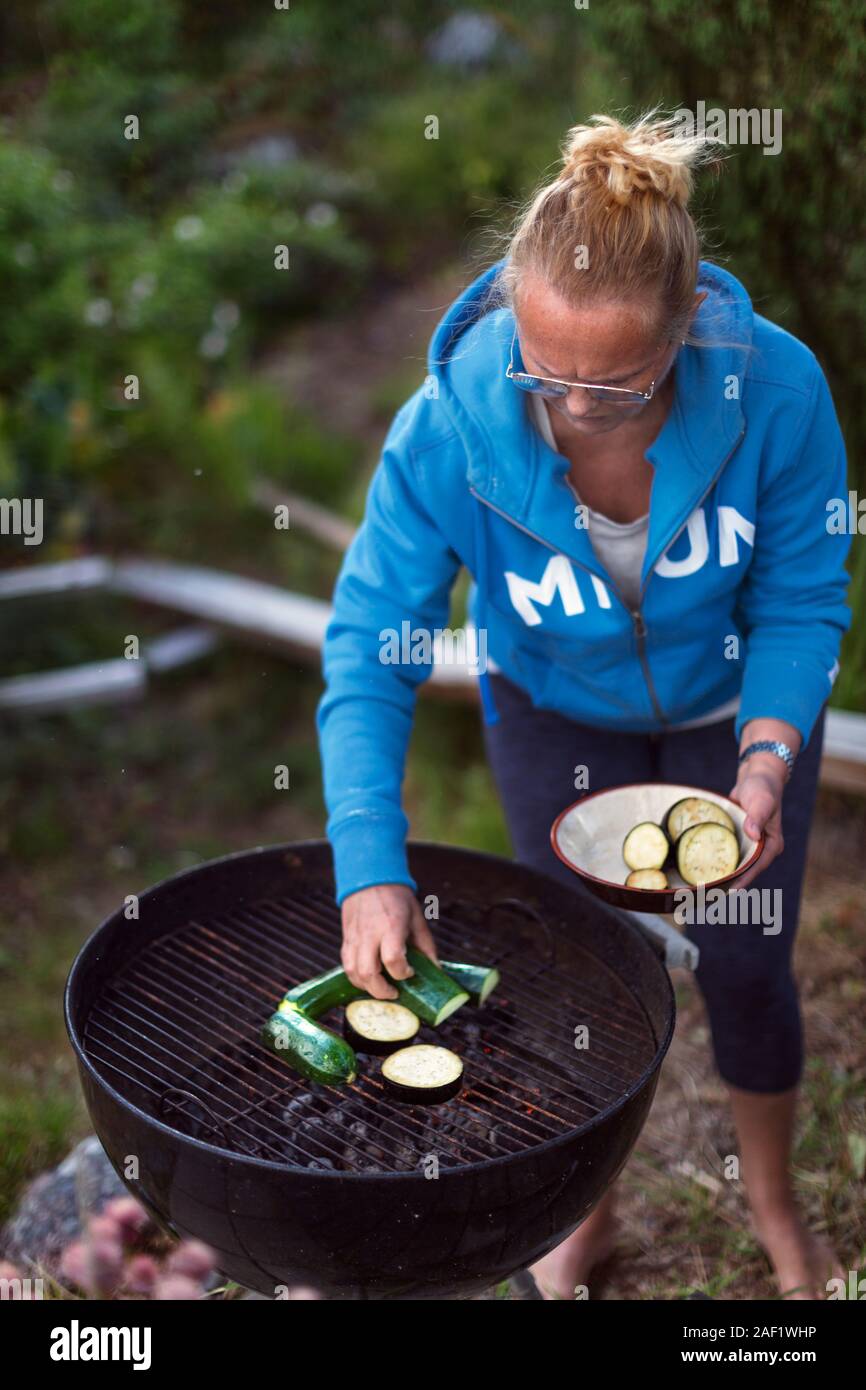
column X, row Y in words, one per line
column 57, row 1204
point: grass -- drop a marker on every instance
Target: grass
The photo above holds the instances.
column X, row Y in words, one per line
column 39, row 1111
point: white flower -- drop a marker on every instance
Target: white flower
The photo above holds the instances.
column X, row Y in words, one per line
column 188, row 228
column 213, row 344
column 62, row 181
column 321, row 215
column 23, row 253
column 143, row 286
column 226, row 315
column 98, row 312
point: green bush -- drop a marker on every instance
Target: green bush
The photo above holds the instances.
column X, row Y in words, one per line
column 179, row 303
column 790, row 224
column 154, row 258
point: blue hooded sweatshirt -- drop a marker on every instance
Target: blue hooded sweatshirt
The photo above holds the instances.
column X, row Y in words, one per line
column 742, row 588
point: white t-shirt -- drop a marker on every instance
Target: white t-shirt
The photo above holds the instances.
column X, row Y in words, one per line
column 621, row 547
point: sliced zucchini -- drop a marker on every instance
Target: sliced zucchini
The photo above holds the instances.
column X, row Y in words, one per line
column 647, row 878
column 378, row 1026
column 319, row 1054
column 646, row 846
column 479, row 981
column 422, row 1075
column 324, row 992
column 694, row 810
column 429, row 993
column 707, row 852
column 308, row 1047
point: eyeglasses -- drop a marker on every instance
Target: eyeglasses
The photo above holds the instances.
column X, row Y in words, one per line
column 554, row 388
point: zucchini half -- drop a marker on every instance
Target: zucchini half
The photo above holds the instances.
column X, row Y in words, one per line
column 479, row 981
column 308, row 1047
column 707, row 852
column 647, row 878
column 378, row 1026
column 694, row 810
column 422, row 1075
column 429, row 993
column 646, row 846
column 319, row 1054
column 324, row 992
column 311, row 1049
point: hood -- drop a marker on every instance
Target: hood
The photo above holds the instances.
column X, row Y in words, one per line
column 468, row 354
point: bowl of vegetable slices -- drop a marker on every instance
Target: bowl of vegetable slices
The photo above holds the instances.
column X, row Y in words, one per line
column 640, row 845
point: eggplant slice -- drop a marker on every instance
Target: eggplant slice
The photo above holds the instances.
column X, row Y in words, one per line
column 378, row 1026
column 423, row 1074
column 707, row 852
column 694, row 810
column 647, row 878
column 646, row 846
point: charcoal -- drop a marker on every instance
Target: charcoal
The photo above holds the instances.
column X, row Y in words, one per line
column 296, row 1109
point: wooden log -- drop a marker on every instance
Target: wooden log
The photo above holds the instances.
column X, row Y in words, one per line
column 317, row 521
column 283, row 622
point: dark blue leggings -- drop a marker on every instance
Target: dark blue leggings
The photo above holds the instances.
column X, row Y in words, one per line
column 744, row 975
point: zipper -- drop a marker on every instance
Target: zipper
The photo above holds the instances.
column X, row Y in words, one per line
column 640, row 628
column 707, row 489
column 640, row 625
column 635, row 614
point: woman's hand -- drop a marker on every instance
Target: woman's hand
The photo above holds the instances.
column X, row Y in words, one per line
column 377, row 923
column 759, row 789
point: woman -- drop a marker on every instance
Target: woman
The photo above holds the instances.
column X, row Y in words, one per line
column 635, row 468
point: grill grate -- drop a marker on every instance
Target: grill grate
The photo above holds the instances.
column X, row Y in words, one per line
column 176, row 1032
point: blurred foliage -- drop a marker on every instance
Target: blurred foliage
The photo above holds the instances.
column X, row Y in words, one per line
column 151, row 260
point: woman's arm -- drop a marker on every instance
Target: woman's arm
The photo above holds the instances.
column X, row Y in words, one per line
column 760, row 786
column 794, row 614
column 399, row 569
column 774, row 729
column 792, row 605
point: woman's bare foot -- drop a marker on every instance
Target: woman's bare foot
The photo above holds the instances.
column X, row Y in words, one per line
column 570, row 1263
column 803, row 1260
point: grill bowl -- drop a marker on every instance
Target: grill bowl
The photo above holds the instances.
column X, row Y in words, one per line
column 588, row 835
column 164, row 1014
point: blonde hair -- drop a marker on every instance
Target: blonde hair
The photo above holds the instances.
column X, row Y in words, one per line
column 623, row 194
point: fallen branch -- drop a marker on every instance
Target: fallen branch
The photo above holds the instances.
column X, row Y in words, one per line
column 317, row 521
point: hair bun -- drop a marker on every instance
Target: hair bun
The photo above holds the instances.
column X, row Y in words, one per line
column 650, row 157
